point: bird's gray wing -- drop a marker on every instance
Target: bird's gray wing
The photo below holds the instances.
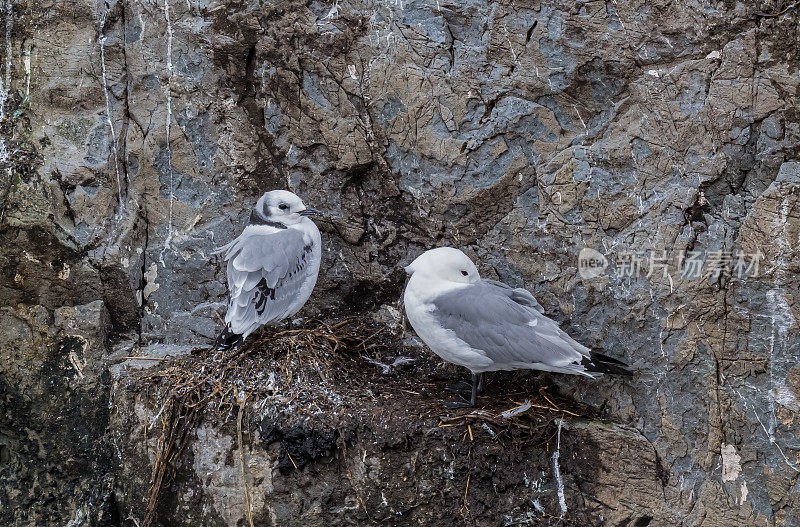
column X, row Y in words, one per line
column 488, row 320
column 519, row 295
column 265, row 272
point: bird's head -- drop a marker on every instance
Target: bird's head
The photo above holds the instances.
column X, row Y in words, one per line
column 445, row 263
column 281, row 206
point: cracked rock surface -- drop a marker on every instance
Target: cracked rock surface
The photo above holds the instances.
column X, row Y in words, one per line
column 135, row 135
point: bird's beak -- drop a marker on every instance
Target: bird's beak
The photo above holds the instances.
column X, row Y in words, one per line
column 308, row 211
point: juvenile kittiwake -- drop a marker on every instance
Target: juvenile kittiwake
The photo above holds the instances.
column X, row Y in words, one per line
column 485, row 325
column 272, row 266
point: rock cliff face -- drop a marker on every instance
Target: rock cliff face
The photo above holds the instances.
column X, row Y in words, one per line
column 135, row 135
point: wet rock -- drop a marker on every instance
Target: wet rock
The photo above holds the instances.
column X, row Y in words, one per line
column 54, row 417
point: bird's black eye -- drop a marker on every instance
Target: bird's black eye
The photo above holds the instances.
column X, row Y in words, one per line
column 283, row 206
column 464, row 273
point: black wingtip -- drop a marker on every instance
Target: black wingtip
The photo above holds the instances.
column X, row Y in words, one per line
column 599, row 363
column 227, row 339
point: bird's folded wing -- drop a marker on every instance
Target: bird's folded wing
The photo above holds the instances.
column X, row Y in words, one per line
column 519, row 295
column 265, row 272
column 507, row 332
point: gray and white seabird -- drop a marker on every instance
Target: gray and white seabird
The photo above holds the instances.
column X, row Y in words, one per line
column 272, row 266
column 485, row 325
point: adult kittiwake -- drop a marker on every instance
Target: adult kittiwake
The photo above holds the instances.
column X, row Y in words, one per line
column 485, row 325
column 272, row 266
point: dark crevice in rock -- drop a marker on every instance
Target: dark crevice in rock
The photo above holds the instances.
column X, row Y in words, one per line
column 120, row 299
column 122, row 140
column 269, row 171
column 143, row 284
column 529, row 34
column 66, row 188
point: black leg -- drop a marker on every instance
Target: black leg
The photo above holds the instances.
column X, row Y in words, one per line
column 460, row 388
column 476, row 377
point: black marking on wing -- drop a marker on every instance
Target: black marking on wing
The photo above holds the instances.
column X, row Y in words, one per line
column 302, row 261
column 265, row 293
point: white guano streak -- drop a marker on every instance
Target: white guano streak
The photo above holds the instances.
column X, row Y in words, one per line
column 557, row 472
column 169, row 124
column 780, row 312
column 101, row 40
column 5, row 79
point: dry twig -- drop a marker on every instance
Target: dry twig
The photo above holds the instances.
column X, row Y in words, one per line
column 248, row 510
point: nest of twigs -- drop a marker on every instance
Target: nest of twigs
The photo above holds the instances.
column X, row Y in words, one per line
column 343, row 369
column 285, row 364
column 289, row 367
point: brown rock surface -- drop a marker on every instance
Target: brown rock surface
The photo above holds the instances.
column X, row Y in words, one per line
column 134, row 136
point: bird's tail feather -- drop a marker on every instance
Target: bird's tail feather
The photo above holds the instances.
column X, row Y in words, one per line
column 599, row 363
column 227, row 339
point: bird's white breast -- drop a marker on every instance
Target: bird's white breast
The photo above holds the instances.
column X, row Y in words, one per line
column 417, row 299
column 310, row 236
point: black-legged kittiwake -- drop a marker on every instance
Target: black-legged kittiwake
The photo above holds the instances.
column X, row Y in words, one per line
column 485, row 325
column 272, row 266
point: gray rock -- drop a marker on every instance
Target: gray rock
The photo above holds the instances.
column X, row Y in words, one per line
column 519, row 133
